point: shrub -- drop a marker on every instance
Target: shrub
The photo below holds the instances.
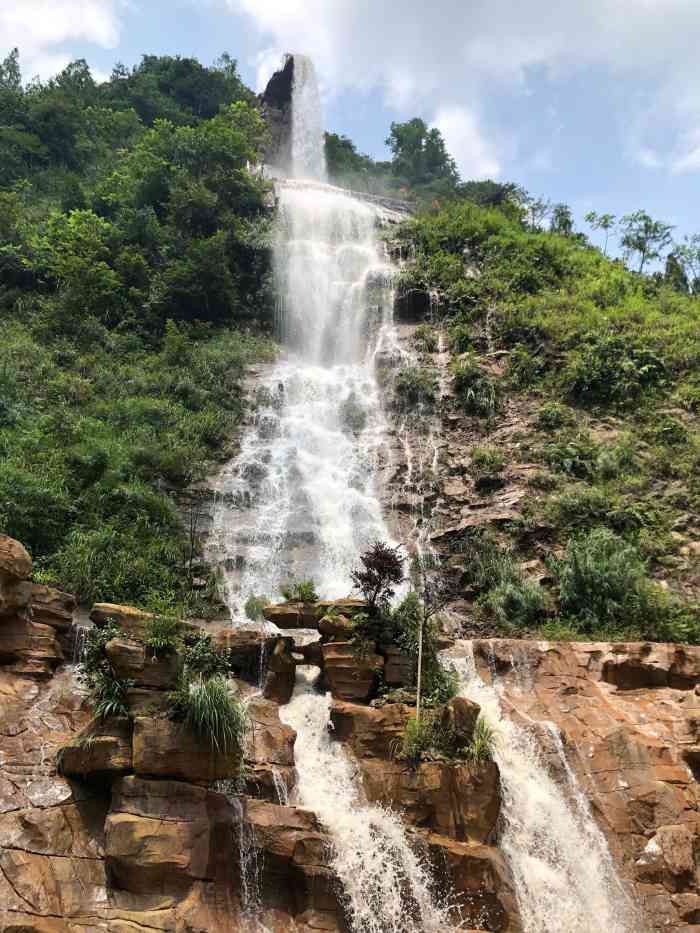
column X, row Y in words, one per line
column 207, row 707
column 380, row 573
column 552, row 416
column 109, row 694
column 301, row 591
column 162, row 635
column 460, row 338
column 425, row 339
column 201, row 656
column 482, row 747
column 603, row 582
column 476, row 390
column 518, row 602
column 486, row 466
column 610, row 369
column 571, row 453
column 416, row 385
column 418, row 738
column 254, row 607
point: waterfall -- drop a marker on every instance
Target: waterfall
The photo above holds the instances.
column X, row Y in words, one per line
column 308, row 156
column 386, row 885
column 300, row 501
column 564, row 875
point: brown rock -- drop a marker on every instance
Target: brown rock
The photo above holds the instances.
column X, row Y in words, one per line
column 475, row 520
column 52, row 607
column 33, row 647
column 160, row 836
column 162, row 748
column 292, row 615
column 459, row 717
column 248, row 647
column 133, row 622
column 478, row 877
column 15, row 562
column 281, row 674
column 348, row 606
column 270, row 753
column 131, row 660
column 399, row 669
column 336, row 627
column 101, row 751
column 350, row 674
column 368, row 731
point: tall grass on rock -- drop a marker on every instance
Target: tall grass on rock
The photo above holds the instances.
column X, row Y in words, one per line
column 208, row 708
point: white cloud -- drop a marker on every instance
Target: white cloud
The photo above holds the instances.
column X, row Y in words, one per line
column 475, row 156
column 38, row 27
column 436, row 57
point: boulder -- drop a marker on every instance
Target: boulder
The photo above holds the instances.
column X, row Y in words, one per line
column 281, row 674
column 476, row 879
column 399, row 669
column 292, row 615
column 270, row 752
column 52, row 607
column 162, row 748
column 452, row 799
column 347, row 606
column 351, row 674
column 131, row 660
column 248, row 647
column 30, row 647
column 133, row 622
column 370, row 732
column 336, row 626
column 160, row 836
column 459, row 717
column 15, row 562
column 99, row 752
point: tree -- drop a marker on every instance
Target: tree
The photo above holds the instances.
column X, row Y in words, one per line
column 562, row 221
column 605, row 222
column 643, row 235
column 420, row 155
column 434, row 593
column 536, row 210
column 381, row 572
column 674, row 274
column 687, row 254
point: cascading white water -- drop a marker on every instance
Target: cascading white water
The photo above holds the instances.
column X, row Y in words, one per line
column 308, row 155
column 564, row 875
column 386, row 885
column 300, row 501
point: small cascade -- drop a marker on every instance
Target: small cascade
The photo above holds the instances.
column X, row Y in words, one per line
column 564, row 875
column 281, row 788
column 387, row 887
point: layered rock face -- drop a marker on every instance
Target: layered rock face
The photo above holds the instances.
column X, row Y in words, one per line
column 629, row 718
column 134, row 823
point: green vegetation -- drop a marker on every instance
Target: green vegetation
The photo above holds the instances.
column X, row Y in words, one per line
column 427, row 739
column 300, row 591
column 107, row 690
column 425, row 339
column 209, row 709
column 203, row 658
column 416, row 385
column 586, row 371
column 162, row 635
column 133, row 244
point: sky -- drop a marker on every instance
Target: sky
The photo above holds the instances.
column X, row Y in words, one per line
column 595, row 103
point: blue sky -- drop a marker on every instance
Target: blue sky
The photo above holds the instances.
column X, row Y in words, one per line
column 591, row 102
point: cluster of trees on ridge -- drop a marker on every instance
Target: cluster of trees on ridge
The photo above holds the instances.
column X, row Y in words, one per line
column 135, row 288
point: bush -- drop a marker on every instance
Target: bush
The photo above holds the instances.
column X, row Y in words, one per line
column 301, row 591
column 482, row 748
column 552, row 416
column 476, row 390
column 486, row 466
column 611, row 369
column 162, row 635
column 518, row 602
column 416, row 385
column 380, row 573
column 460, row 338
column 603, row 583
column 208, row 709
column 109, row 694
column 572, row 453
column 202, row 657
column 425, row 339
